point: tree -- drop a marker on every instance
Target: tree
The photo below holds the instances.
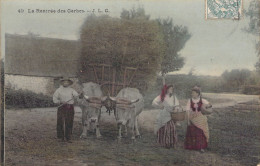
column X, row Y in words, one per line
column 254, row 79
column 134, row 13
column 175, row 38
column 191, row 72
column 2, row 119
column 235, row 78
column 2, row 80
column 2, row 72
column 253, row 13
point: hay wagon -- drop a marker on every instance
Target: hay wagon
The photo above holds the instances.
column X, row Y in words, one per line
column 112, row 80
column 118, row 53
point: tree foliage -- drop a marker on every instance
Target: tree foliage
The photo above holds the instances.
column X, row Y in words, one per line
column 134, row 13
column 175, row 38
column 2, row 81
column 253, row 13
column 235, row 78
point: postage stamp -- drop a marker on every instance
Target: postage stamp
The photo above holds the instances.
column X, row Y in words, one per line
column 223, row 9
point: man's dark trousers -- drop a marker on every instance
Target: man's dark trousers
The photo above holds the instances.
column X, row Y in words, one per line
column 65, row 116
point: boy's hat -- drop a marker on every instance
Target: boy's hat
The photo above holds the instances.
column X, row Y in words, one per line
column 66, row 79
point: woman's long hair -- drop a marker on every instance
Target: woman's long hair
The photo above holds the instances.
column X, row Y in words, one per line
column 164, row 91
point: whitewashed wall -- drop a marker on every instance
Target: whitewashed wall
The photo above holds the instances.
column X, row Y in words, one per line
column 38, row 85
column 35, row 84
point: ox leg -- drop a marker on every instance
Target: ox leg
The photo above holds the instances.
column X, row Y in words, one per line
column 97, row 126
column 136, row 128
column 133, row 134
column 119, row 126
column 125, row 130
column 98, row 131
column 133, row 131
column 84, row 132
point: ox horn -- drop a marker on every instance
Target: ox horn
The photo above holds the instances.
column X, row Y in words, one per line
column 112, row 98
column 134, row 101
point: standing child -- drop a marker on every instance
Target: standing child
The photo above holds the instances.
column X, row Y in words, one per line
column 65, row 96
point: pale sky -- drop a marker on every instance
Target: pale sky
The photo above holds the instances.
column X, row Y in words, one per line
column 215, row 45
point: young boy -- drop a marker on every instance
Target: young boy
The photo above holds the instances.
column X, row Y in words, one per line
column 65, row 96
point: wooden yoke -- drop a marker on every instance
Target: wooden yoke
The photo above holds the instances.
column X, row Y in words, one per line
column 95, row 102
column 95, row 105
column 125, row 104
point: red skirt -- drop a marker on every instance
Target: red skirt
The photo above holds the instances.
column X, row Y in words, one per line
column 195, row 138
column 166, row 135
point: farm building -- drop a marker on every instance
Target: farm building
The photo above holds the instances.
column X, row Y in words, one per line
column 36, row 63
column 122, row 53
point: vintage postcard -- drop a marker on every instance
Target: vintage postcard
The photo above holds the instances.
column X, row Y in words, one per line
column 124, row 82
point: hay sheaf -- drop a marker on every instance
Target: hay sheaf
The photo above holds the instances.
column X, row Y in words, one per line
column 122, row 43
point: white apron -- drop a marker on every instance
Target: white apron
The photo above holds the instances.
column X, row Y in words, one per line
column 164, row 115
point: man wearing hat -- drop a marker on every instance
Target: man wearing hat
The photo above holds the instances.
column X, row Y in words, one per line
column 65, row 96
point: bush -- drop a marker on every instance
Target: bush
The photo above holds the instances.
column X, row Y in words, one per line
column 250, row 90
column 26, row 99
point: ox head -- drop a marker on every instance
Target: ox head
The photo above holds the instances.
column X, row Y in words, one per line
column 124, row 109
column 92, row 107
column 108, row 103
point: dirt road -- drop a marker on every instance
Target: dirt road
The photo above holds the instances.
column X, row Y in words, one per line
column 225, row 100
column 31, row 138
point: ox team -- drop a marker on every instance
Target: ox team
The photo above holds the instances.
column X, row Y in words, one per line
column 129, row 104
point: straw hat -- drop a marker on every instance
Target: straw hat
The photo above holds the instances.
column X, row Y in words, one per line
column 66, row 79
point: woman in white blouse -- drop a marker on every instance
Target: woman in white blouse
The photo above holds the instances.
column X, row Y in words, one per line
column 164, row 126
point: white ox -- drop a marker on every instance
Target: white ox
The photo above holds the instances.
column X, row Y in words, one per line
column 129, row 104
column 91, row 108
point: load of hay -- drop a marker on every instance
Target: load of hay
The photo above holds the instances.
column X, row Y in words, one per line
column 136, row 43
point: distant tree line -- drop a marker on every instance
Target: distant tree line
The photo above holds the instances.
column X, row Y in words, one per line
column 233, row 81
column 241, row 81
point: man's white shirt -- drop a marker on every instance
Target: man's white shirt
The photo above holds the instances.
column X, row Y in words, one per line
column 64, row 94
